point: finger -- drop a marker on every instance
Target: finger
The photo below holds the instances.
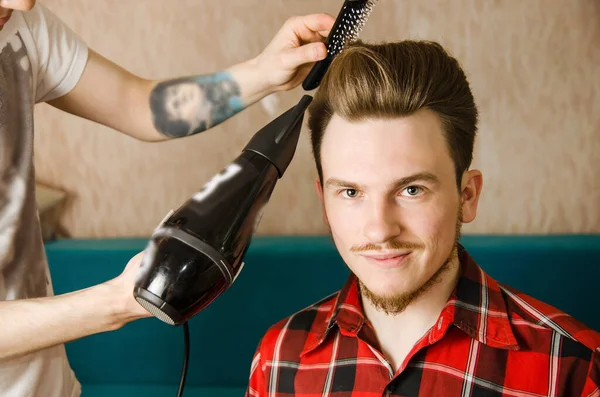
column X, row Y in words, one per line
column 316, row 22
column 310, row 28
column 293, row 58
column 324, row 33
column 304, row 29
column 298, row 77
column 302, row 73
column 137, row 257
column 135, row 260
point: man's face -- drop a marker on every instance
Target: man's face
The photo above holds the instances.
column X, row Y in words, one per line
column 391, row 201
column 8, row 6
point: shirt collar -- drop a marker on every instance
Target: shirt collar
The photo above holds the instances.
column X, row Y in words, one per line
column 476, row 306
column 346, row 313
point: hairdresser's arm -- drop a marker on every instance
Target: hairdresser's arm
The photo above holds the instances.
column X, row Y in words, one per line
column 154, row 110
column 29, row 325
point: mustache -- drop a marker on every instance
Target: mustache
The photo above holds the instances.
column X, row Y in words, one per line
column 392, row 245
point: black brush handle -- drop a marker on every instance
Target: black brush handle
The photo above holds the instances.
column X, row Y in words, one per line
column 316, row 74
column 313, row 79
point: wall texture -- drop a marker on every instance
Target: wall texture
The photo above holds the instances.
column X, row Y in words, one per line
column 533, row 66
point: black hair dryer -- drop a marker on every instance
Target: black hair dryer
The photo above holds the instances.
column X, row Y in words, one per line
column 197, row 251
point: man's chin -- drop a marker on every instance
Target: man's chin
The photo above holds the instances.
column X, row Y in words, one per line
column 383, row 291
column 390, row 303
column 396, row 300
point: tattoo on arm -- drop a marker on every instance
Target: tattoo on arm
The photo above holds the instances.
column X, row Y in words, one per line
column 189, row 105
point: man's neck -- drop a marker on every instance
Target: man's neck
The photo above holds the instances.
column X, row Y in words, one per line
column 398, row 333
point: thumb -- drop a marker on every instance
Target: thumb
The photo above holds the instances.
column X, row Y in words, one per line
column 294, row 57
column 135, row 261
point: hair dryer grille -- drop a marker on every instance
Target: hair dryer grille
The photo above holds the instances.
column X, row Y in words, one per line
column 155, row 311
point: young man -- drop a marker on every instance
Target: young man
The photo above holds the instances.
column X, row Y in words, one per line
column 42, row 60
column 393, row 127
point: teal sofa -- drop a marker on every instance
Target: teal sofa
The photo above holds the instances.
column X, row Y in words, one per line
column 282, row 275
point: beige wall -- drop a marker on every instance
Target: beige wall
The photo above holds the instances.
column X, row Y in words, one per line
column 533, row 65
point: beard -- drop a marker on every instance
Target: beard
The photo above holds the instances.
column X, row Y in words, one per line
column 396, row 304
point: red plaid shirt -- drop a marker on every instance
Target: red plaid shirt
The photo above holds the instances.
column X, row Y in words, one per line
column 490, row 340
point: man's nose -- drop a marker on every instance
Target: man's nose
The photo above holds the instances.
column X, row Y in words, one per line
column 382, row 223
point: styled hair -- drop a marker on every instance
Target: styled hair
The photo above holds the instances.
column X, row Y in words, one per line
column 396, row 79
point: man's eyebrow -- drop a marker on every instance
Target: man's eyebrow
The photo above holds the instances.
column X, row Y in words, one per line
column 334, row 182
column 420, row 176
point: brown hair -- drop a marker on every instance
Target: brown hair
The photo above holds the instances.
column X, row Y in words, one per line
column 393, row 80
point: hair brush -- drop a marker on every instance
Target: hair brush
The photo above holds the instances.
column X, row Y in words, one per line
column 348, row 24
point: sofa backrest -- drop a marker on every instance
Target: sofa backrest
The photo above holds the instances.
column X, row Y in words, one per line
column 283, row 275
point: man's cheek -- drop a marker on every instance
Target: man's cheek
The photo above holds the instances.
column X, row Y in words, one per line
column 335, row 216
column 345, row 226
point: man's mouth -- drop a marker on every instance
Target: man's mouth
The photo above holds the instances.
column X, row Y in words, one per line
column 387, row 260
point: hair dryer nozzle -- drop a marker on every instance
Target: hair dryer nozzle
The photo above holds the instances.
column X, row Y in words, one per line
column 277, row 140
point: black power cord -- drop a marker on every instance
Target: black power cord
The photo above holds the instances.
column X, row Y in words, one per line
column 186, row 357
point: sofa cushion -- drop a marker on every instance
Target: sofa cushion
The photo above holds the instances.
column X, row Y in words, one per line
column 283, row 275
column 150, row 390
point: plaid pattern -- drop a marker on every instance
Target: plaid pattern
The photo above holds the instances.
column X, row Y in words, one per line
column 490, row 340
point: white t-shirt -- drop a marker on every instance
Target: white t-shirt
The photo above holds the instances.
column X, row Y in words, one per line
column 40, row 59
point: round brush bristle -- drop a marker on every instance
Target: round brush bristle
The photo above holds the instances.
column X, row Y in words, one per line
column 348, row 24
column 353, row 17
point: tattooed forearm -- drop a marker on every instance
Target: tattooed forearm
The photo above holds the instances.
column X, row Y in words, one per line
column 190, row 105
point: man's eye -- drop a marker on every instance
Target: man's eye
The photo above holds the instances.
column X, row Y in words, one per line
column 350, row 193
column 413, row 190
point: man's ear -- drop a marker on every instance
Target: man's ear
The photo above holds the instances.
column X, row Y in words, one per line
column 472, row 183
column 320, row 192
